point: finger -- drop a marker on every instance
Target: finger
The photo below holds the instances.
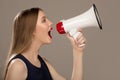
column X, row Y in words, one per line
column 80, row 29
column 81, row 45
column 70, row 37
column 82, row 40
column 79, row 36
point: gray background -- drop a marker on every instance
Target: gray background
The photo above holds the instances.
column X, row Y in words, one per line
column 101, row 56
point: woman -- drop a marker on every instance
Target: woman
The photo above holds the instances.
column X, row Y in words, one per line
column 31, row 30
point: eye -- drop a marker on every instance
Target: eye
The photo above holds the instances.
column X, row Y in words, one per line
column 43, row 20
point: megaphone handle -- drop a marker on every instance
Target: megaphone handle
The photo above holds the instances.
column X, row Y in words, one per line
column 76, row 35
column 75, row 38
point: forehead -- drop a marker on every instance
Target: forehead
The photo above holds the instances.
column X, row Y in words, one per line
column 41, row 14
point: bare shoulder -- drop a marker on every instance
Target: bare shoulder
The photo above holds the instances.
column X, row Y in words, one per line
column 17, row 64
column 16, row 70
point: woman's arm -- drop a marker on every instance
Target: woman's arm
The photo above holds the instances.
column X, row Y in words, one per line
column 77, row 60
column 77, row 73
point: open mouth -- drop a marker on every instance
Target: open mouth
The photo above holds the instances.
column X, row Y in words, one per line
column 49, row 33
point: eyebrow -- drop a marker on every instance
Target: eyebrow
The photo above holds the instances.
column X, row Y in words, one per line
column 43, row 17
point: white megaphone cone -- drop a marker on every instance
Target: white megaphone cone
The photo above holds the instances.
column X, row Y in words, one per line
column 89, row 18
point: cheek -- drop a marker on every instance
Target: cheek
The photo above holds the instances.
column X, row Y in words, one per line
column 41, row 30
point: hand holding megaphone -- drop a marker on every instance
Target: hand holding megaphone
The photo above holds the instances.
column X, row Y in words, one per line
column 89, row 18
column 78, row 41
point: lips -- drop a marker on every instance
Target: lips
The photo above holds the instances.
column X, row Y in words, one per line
column 49, row 33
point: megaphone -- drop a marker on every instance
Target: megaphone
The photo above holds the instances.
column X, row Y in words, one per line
column 89, row 18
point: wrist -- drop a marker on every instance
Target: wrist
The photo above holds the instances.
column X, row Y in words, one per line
column 77, row 52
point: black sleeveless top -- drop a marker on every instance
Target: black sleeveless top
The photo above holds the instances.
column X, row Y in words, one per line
column 35, row 73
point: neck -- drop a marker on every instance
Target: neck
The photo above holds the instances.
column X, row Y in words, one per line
column 33, row 51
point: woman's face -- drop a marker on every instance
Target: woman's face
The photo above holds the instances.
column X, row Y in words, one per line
column 43, row 29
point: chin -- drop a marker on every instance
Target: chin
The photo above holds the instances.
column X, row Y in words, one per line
column 48, row 41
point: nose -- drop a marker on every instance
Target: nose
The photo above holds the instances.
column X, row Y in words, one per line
column 50, row 23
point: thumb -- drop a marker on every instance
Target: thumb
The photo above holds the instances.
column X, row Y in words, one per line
column 69, row 36
column 71, row 39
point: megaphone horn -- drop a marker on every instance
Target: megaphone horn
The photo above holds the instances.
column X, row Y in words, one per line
column 90, row 18
column 97, row 16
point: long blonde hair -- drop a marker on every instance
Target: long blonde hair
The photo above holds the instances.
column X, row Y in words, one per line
column 23, row 27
